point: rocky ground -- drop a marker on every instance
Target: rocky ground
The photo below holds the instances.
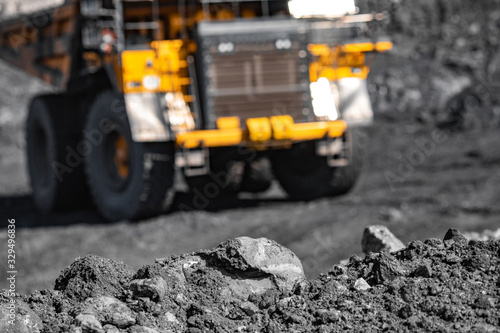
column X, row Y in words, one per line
column 257, row 285
column 432, row 165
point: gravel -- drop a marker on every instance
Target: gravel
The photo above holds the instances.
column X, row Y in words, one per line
column 257, row 285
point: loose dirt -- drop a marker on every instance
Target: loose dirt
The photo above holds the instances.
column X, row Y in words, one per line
column 257, row 285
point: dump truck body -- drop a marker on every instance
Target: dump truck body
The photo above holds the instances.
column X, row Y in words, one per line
column 151, row 86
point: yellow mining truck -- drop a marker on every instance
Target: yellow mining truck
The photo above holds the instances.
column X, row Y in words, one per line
column 230, row 93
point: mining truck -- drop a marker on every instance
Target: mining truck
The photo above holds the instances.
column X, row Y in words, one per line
column 231, row 94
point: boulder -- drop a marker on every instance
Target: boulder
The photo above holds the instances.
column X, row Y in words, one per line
column 262, row 256
column 377, row 238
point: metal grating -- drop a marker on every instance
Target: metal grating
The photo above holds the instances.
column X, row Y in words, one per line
column 248, row 73
column 257, row 84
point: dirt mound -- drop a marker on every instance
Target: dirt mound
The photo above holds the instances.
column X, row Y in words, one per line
column 248, row 285
column 93, row 276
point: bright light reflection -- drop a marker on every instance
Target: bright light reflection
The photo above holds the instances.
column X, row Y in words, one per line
column 321, row 8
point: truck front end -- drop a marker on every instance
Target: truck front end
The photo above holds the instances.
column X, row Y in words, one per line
column 233, row 94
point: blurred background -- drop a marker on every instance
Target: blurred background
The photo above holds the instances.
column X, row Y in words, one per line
column 433, row 160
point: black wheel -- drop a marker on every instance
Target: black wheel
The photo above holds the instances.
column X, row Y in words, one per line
column 127, row 179
column 306, row 176
column 224, row 177
column 257, row 176
column 54, row 163
column 302, row 174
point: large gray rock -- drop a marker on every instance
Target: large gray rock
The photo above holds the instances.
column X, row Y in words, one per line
column 456, row 236
column 153, row 289
column 264, row 256
column 377, row 238
column 88, row 323
column 109, row 310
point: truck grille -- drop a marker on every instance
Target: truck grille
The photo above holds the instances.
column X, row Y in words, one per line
column 255, row 79
column 256, row 84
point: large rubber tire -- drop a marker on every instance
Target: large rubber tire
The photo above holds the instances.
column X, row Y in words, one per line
column 257, row 177
column 127, row 179
column 54, row 164
column 301, row 173
column 306, row 176
column 224, row 178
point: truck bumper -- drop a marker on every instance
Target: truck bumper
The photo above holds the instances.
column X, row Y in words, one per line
column 262, row 133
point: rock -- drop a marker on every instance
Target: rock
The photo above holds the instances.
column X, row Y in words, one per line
column 249, row 308
column 301, row 287
column 154, row 288
column 141, row 329
column 265, row 257
column 435, row 243
column 483, row 302
column 89, row 323
column 110, row 310
column 326, row 316
column 377, row 238
column 170, row 317
column 386, row 268
column 456, row 236
column 110, row 329
column 360, row 285
column 477, row 262
column 452, row 259
column 423, row 271
column 406, row 311
column 337, row 270
column 296, row 319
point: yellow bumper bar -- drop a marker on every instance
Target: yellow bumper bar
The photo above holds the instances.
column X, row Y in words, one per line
column 262, row 131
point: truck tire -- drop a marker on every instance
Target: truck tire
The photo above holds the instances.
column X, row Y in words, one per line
column 54, row 164
column 127, row 179
column 224, row 178
column 301, row 173
column 306, row 176
column 257, row 177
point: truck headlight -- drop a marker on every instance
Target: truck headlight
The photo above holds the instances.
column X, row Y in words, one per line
column 325, row 103
column 283, row 44
column 151, row 82
column 226, row 47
